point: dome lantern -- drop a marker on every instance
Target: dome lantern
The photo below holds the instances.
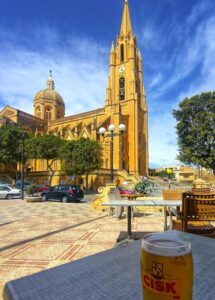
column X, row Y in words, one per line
column 50, row 82
column 48, row 104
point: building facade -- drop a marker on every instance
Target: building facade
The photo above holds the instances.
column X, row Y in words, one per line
column 125, row 103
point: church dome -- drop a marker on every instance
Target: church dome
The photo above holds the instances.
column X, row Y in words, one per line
column 49, row 94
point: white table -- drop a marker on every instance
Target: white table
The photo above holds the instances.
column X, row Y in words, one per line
column 113, row 274
column 149, row 202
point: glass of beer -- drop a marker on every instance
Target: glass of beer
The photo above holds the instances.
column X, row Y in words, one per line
column 166, row 267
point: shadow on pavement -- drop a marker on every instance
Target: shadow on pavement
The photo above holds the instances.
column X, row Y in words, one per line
column 49, row 233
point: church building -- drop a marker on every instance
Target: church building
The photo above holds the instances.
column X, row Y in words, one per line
column 125, row 103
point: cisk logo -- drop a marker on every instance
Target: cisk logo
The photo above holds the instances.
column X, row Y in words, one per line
column 157, row 270
column 156, row 283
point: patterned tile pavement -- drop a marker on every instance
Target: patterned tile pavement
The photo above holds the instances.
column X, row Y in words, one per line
column 38, row 236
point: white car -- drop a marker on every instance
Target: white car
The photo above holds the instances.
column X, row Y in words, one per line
column 8, row 192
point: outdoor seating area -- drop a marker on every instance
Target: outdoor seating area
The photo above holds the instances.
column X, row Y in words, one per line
column 66, row 232
column 107, row 171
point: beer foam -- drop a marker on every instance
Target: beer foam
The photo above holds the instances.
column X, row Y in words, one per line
column 166, row 244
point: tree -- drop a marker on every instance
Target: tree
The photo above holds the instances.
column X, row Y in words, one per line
column 45, row 147
column 81, row 157
column 196, row 130
column 11, row 141
column 165, row 173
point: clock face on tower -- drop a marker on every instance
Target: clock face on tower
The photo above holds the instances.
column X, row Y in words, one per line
column 121, row 69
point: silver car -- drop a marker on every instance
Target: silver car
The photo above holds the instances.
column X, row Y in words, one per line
column 7, row 192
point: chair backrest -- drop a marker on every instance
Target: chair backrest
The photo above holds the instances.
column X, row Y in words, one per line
column 198, row 206
column 172, row 194
column 114, row 194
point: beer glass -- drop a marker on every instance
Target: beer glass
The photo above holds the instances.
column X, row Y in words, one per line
column 166, row 267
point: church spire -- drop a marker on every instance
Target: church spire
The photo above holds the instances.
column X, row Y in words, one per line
column 50, row 82
column 126, row 26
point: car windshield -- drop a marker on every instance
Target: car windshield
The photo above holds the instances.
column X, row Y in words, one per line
column 5, row 188
column 64, row 187
column 75, row 187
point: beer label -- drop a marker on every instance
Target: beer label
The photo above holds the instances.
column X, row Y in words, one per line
column 161, row 286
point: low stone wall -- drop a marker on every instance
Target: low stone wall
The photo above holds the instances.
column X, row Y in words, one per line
column 34, row 199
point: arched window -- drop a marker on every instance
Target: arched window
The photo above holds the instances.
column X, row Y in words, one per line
column 122, row 53
column 48, row 113
column 38, row 112
column 58, row 115
column 122, row 88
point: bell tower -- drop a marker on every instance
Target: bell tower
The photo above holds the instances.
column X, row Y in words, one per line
column 125, row 97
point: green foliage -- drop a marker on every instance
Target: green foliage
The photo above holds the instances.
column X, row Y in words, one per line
column 164, row 173
column 31, row 189
column 11, row 138
column 81, row 157
column 141, row 186
column 196, row 130
column 44, row 147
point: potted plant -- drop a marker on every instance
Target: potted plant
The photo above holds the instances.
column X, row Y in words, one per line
column 32, row 196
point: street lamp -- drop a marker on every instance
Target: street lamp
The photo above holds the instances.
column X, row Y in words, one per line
column 23, row 161
column 111, row 129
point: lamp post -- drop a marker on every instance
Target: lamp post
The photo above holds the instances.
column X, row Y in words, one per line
column 112, row 134
column 169, row 172
column 23, row 161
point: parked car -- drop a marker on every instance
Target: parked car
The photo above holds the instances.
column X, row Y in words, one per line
column 124, row 190
column 64, row 193
column 5, row 183
column 19, row 184
column 165, row 179
column 7, row 192
column 41, row 188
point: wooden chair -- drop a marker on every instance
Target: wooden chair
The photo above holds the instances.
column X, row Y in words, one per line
column 172, row 195
column 198, row 210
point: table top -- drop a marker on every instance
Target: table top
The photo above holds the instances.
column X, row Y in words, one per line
column 113, row 274
column 148, row 202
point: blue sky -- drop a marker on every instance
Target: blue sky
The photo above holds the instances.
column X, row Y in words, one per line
column 176, row 39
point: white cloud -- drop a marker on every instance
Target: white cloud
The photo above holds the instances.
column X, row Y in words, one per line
column 179, row 48
column 79, row 70
column 162, row 139
column 191, row 58
column 200, row 9
column 205, row 81
column 156, row 80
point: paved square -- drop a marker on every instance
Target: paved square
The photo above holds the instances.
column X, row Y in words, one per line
column 38, row 236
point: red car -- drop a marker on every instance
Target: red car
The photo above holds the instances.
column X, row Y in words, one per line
column 165, row 179
column 42, row 188
column 124, row 191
